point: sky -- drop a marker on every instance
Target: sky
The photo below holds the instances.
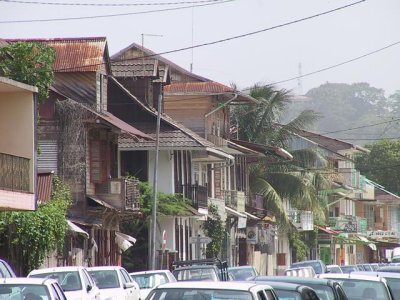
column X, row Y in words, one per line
column 268, row 57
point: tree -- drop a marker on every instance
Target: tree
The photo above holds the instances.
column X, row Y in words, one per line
column 28, row 237
column 382, row 164
column 280, row 180
column 215, row 230
column 30, row 63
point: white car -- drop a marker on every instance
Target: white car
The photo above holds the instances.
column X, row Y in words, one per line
column 114, row 283
column 200, row 290
column 363, row 287
column 75, row 281
column 31, row 289
column 147, row 280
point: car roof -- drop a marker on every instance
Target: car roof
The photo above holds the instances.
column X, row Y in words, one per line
column 378, row 274
column 295, row 279
column 240, row 267
column 395, row 268
column 215, row 285
column 150, row 272
column 350, row 276
column 24, row 280
column 104, row 268
column 56, row 269
column 284, row 285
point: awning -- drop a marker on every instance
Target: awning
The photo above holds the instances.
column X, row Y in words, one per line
column 327, row 230
column 368, row 242
column 124, row 241
column 220, row 153
column 265, row 149
column 250, row 216
column 86, row 221
column 233, row 212
column 72, row 227
column 101, row 202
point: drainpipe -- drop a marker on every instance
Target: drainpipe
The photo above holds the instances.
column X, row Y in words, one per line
column 235, row 95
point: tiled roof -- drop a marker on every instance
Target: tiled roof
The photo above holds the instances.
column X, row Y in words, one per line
column 135, row 68
column 204, row 88
column 151, row 54
column 330, row 143
column 74, row 53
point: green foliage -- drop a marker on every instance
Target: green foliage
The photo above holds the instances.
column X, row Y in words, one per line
column 382, row 164
column 167, row 204
column 299, row 247
column 31, row 236
column 30, row 63
column 214, row 229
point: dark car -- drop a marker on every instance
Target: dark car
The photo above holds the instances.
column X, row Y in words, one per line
column 318, row 265
column 326, row 289
column 292, row 291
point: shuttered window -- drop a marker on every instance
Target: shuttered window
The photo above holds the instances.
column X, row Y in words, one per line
column 98, row 161
column 47, row 159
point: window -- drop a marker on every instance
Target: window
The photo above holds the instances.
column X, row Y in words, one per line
column 98, row 161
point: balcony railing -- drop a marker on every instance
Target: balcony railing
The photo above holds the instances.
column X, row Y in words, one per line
column 195, row 192
column 120, row 193
column 230, row 198
column 14, row 173
column 301, row 219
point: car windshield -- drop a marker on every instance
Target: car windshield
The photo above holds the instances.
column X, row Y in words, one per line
column 288, row 295
column 198, row 294
column 105, row 279
column 364, row 289
column 69, row 280
column 324, row 292
column 242, row 273
column 148, row 281
column 348, row 269
column 334, row 269
column 196, row 274
column 314, row 264
column 24, row 292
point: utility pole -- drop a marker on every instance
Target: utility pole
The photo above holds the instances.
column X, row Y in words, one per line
column 153, row 221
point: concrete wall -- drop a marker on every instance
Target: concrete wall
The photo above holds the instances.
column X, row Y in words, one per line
column 165, row 171
column 17, row 127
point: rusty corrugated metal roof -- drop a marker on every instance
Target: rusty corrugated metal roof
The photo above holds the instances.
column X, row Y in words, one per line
column 210, row 87
column 44, row 186
column 74, row 54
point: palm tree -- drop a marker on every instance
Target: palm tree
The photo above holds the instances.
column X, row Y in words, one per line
column 280, row 180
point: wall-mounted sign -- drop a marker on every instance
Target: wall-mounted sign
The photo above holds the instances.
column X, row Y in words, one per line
column 383, row 234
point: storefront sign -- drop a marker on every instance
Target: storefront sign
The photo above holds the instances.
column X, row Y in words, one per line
column 383, row 234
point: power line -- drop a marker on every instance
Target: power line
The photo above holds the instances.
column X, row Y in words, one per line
column 337, row 65
column 110, row 4
column 359, row 127
column 221, row 40
column 114, row 15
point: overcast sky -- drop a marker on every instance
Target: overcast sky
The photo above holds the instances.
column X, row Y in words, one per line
column 267, row 57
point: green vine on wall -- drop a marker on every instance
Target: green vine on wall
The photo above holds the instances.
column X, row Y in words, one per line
column 214, row 229
column 29, row 237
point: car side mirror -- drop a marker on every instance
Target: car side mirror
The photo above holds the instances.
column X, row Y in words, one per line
column 129, row 285
column 88, row 288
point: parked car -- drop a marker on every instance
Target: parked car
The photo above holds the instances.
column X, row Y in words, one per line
column 390, row 268
column 318, row 265
column 292, row 291
column 392, row 279
column 350, row 268
column 363, row 287
column 115, row 283
column 300, row 272
column 5, row 270
column 75, row 281
column 202, row 269
column 242, row 272
column 31, row 289
column 326, row 289
column 192, row 290
column 147, row 280
column 334, row 269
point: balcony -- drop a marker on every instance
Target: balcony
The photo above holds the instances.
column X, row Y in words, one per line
column 120, row 193
column 195, row 192
column 303, row 220
column 231, row 198
column 348, row 223
column 14, row 173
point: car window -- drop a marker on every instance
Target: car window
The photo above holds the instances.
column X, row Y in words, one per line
column 24, row 291
column 364, row 289
column 270, row 295
column 148, row 281
column 261, row 295
column 69, row 280
column 324, row 292
column 105, row 279
column 201, row 294
column 288, row 295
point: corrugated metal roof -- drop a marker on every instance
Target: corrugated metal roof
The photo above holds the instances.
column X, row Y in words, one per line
column 205, row 88
column 265, row 149
column 44, row 186
column 74, row 54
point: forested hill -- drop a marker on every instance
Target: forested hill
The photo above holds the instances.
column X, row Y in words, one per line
column 351, row 112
